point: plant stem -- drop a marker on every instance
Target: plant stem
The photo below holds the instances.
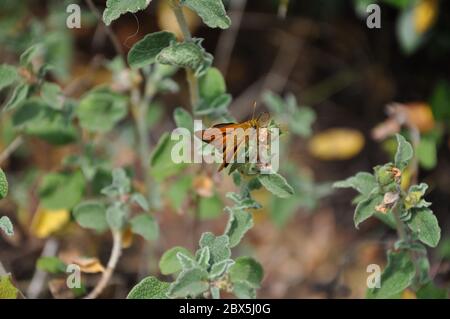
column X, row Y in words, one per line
column 11, row 148
column 190, row 76
column 113, row 259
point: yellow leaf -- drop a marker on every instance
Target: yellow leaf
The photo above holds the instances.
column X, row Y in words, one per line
column 167, row 20
column 89, row 265
column 420, row 115
column 336, row 144
column 406, row 179
column 7, row 289
column 46, row 222
column 425, row 14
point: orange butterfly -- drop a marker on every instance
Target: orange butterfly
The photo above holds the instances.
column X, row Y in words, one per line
column 229, row 137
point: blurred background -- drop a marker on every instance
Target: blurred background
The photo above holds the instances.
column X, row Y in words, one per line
column 317, row 56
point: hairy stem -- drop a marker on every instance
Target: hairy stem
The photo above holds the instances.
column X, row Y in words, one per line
column 190, row 76
column 113, row 259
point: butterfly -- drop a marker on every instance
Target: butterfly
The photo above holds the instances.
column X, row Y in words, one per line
column 230, row 137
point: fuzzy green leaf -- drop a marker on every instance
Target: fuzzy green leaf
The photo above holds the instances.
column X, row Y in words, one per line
column 144, row 52
column 146, row 226
column 247, row 270
column 140, row 199
column 183, row 119
column 219, row 269
column 91, row 214
column 276, row 184
column 3, row 185
column 404, row 152
column 366, row 208
column 202, row 257
column 187, row 55
column 8, row 75
column 116, row 216
column 161, row 162
column 190, row 283
column 211, row 84
column 101, row 110
column 6, row 226
column 397, row 276
column 239, row 223
column 18, row 96
column 426, row 226
column 149, row 288
column 363, row 182
column 169, row 263
column 37, row 118
column 243, row 290
column 61, row 190
column 115, row 8
column 219, row 247
column 212, row 12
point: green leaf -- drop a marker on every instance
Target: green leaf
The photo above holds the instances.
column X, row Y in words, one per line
column 91, row 214
column 276, row 184
column 220, row 268
column 18, row 96
column 202, row 257
column 219, row 247
column 6, row 226
column 3, row 185
column 7, row 289
column 404, row 152
column 27, row 56
column 431, row 291
column 212, row 12
column 301, row 121
column 146, row 226
column 366, row 208
column 211, row 84
column 169, row 263
column 120, row 184
column 362, row 182
column 149, row 288
column 427, row 153
column 161, row 162
column 51, row 93
column 425, row 225
column 116, row 216
column 115, row 8
column 247, row 270
column 215, row 292
column 397, row 276
column 144, row 52
column 179, row 191
column 243, row 290
column 218, row 106
column 52, row 265
column 274, row 102
column 101, row 110
column 190, row 283
column 61, row 190
column 140, row 199
column 37, row 118
column 186, row 261
column 8, row 75
column 183, row 119
column 440, row 101
column 239, row 222
column 187, row 55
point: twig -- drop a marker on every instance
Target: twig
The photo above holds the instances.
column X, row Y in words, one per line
column 227, row 38
column 113, row 259
column 190, row 77
column 115, row 41
column 11, row 148
column 39, row 277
